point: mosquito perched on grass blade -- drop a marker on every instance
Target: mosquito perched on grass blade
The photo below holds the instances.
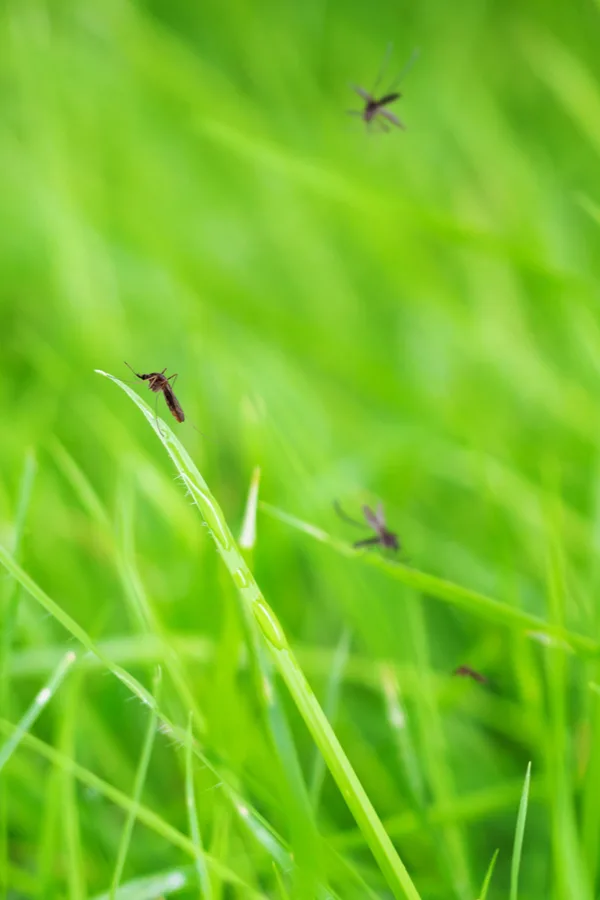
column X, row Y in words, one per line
column 375, row 110
column 376, row 521
column 158, row 381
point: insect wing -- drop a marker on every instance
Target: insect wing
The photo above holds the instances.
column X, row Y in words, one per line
column 362, row 93
column 173, row 403
column 392, row 118
column 372, row 518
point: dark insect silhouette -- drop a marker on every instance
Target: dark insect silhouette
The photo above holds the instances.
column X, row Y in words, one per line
column 468, row 672
column 157, row 382
column 376, row 521
column 375, row 109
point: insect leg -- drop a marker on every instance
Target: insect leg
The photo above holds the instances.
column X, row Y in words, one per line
column 346, row 518
column 156, row 415
column 386, row 59
column 368, row 542
column 406, row 69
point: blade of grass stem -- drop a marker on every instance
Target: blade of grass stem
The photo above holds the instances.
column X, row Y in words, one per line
column 463, row 598
column 519, row 834
column 9, row 620
column 351, row 788
column 488, row 877
column 138, row 786
column 145, row 815
column 204, row 884
column 330, row 703
column 42, row 699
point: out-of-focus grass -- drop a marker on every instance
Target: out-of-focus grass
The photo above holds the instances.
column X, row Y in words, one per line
column 411, row 317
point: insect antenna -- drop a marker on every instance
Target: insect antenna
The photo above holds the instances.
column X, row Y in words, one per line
column 128, row 380
column 131, row 367
column 405, row 69
column 383, row 67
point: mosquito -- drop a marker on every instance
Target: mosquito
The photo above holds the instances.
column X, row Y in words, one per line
column 158, row 381
column 468, row 672
column 376, row 521
column 375, row 109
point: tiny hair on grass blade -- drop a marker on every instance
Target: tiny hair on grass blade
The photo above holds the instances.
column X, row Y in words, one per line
column 380, row 844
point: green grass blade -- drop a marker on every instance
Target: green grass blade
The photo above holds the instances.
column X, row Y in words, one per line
column 330, row 703
column 190, row 802
column 519, row 833
column 305, row 851
column 153, row 887
column 351, row 788
column 283, row 893
column 488, row 877
column 41, row 701
column 10, row 609
column 454, row 594
column 71, row 626
column 401, row 730
column 145, row 815
column 248, row 532
column 138, row 786
column 70, row 813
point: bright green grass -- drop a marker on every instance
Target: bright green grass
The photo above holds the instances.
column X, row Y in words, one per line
column 412, row 317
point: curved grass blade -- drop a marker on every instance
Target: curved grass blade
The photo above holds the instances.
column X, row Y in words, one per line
column 351, row 788
column 147, row 816
column 96, row 656
column 454, row 594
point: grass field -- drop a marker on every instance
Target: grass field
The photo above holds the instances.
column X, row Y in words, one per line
column 409, row 317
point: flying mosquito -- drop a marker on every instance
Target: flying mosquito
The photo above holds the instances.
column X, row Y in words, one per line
column 376, row 521
column 375, row 109
column 158, row 381
column 468, row 672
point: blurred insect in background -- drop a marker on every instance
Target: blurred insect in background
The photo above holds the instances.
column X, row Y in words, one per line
column 376, row 521
column 157, row 381
column 375, row 110
column 468, row 672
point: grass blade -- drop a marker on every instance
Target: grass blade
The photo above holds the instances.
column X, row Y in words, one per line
column 41, row 700
column 488, row 877
column 10, row 609
column 248, row 532
column 519, row 832
column 331, row 700
column 138, row 786
column 204, row 883
column 351, row 788
column 454, row 594
column 145, row 815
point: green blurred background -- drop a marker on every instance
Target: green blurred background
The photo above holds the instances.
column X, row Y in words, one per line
column 411, row 317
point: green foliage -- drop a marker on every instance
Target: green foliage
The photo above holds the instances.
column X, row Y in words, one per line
column 409, row 317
